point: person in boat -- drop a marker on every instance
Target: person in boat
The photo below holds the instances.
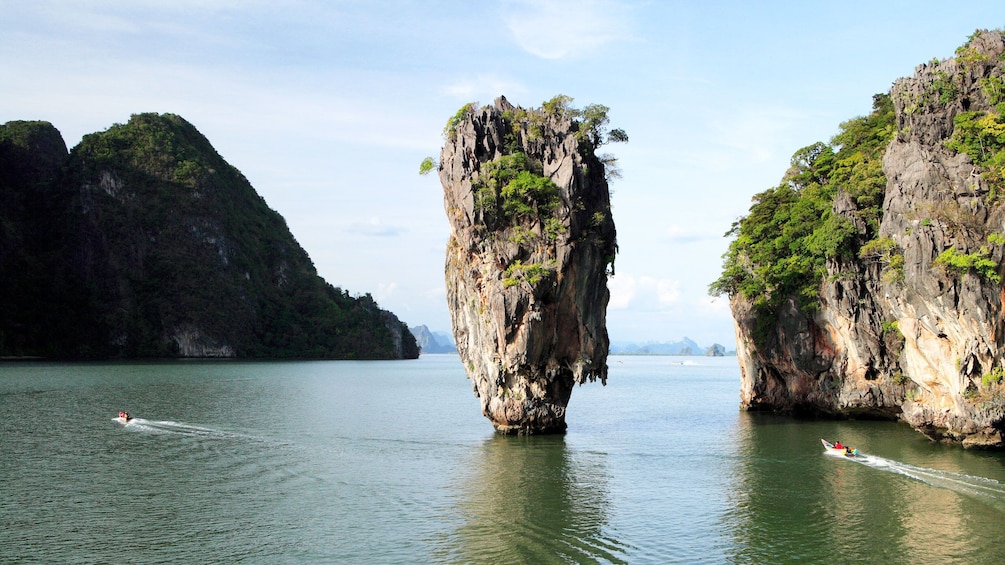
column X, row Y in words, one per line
column 125, row 415
column 839, row 446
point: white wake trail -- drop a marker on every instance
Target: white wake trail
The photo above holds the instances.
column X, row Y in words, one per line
column 178, row 428
column 983, row 488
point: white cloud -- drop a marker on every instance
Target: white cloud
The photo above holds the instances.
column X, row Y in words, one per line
column 642, row 292
column 622, row 288
column 556, row 29
column 375, row 228
column 681, row 235
column 717, row 306
column 384, row 291
column 667, row 291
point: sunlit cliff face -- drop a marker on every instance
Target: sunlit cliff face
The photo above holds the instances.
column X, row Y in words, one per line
column 915, row 333
column 532, row 240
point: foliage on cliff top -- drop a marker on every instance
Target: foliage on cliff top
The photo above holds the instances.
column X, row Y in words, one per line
column 781, row 247
column 591, row 123
column 592, row 120
column 511, row 192
column 449, row 130
column 537, row 197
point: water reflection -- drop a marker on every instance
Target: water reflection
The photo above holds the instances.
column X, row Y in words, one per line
column 533, row 500
column 790, row 499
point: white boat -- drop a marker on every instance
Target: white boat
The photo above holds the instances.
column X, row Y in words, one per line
column 847, row 452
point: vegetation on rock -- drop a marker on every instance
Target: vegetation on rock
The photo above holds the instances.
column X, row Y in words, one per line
column 909, row 315
column 531, row 273
column 512, row 189
column 955, row 263
column 981, row 135
column 782, row 246
column 154, row 246
column 532, row 241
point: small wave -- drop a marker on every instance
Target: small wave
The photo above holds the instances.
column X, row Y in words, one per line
column 982, row 488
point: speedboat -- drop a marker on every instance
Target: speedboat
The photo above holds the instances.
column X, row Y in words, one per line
column 124, row 418
column 846, row 451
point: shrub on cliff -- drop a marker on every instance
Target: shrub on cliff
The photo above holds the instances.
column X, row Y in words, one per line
column 781, row 247
column 981, row 135
column 511, row 192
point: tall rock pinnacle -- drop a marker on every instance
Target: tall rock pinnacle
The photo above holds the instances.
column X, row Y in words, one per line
column 532, row 243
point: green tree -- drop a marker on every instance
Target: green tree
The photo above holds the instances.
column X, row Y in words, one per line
column 427, row 165
column 780, row 249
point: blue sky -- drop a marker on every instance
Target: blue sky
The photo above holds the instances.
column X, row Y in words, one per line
column 328, row 107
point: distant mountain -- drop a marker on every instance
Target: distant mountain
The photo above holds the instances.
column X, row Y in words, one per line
column 685, row 346
column 143, row 242
column 433, row 342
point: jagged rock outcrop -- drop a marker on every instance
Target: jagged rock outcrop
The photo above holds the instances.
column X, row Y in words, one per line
column 919, row 338
column 532, row 241
column 143, row 242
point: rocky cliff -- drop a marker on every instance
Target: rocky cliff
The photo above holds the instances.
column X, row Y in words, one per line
column 532, row 242
column 144, row 242
column 32, row 156
column 908, row 326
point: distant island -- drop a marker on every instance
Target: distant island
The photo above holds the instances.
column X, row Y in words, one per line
column 142, row 242
column 433, row 342
column 441, row 342
column 683, row 347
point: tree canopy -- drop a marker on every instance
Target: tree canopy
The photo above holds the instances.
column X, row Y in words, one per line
column 781, row 247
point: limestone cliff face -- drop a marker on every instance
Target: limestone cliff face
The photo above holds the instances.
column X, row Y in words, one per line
column 916, row 345
column 532, row 239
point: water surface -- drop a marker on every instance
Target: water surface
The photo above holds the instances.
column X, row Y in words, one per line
column 391, row 462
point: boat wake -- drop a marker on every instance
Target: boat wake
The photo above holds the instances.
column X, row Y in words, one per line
column 170, row 427
column 988, row 490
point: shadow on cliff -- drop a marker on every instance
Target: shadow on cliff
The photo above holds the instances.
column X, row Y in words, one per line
column 532, row 499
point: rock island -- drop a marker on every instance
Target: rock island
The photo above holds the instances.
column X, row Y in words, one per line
column 532, row 243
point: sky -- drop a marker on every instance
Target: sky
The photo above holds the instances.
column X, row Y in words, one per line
column 328, row 107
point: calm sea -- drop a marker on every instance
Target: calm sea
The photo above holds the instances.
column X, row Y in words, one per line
column 391, row 462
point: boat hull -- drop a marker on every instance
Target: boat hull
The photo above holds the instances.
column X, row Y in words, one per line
column 838, row 450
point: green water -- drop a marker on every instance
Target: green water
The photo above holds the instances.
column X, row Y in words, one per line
column 390, row 462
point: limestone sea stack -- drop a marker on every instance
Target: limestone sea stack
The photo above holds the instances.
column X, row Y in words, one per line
column 532, row 243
